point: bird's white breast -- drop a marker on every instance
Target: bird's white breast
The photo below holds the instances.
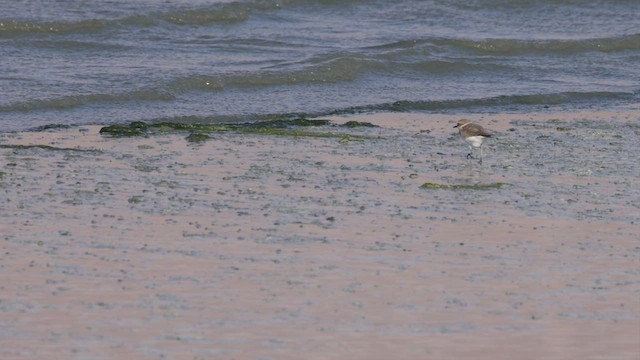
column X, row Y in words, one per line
column 475, row 141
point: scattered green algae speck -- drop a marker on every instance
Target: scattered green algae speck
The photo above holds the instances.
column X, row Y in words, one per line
column 490, row 186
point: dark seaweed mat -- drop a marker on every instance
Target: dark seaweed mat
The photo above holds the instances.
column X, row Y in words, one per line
column 198, row 132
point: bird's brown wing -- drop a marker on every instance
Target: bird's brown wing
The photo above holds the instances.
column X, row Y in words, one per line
column 478, row 130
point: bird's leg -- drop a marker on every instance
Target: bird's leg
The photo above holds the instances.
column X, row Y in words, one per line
column 470, row 154
column 480, row 154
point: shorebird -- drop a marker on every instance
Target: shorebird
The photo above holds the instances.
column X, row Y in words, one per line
column 473, row 134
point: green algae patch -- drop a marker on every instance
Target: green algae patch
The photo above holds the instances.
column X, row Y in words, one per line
column 197, row 137
column 51, row 127
column 434, row 186
column 285, row 123
column 137, row 128
column 356, row 124
column 44, row 147
column 201, row 132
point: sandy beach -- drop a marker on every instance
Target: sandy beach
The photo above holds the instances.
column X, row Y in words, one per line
column 250, row 246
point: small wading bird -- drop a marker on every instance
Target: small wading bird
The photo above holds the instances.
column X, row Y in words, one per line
column 473, row 134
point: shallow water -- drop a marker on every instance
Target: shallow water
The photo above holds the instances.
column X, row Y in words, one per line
column 75, row 62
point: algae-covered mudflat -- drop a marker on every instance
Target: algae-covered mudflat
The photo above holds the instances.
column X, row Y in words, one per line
column 359, row 242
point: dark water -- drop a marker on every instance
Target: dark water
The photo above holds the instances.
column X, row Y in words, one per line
column 99, row 62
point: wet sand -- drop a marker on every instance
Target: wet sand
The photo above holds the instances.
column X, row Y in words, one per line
column 270, row 247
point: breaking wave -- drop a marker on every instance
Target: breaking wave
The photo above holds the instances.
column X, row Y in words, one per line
column 517, row 46
column 497, row 102
column 219, row 13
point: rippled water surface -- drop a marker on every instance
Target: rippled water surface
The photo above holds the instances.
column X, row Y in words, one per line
column 78, row 62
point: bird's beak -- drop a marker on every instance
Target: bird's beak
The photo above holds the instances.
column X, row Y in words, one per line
column 456, row 126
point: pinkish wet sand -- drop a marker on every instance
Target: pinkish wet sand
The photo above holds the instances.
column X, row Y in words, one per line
column 269, row 247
